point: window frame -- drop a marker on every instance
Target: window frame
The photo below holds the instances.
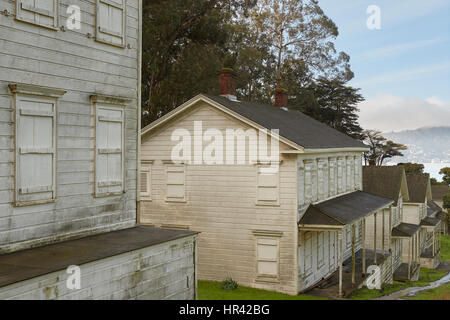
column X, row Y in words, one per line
column 38, row 94
column 114, row 104
column 169, row 163
column 267, row 235
column 259, row 172
column 98, row 28
column 36, row 11
column 146, row 167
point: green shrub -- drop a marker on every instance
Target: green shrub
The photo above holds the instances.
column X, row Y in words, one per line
column 229, row 284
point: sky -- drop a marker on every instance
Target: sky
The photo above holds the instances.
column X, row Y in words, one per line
column 402, row 68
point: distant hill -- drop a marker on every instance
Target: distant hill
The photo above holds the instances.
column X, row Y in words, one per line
column 425, row 145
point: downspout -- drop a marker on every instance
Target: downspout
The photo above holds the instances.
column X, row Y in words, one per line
column 139, row 106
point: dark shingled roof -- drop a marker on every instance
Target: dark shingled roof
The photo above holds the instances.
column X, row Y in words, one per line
column 430, row 222
column 344, row 209
column 417, row 186
column 438, row 191
column 405, row 230
column 26, row 264
column 384, row 181
column 433, row 208
column 293, row 125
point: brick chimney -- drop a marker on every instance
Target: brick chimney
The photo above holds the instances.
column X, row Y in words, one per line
column 372, row 162
column 228, row 81
column 281, row 98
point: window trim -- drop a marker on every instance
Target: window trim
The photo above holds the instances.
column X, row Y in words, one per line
column 20, row 6
column 168, row 199
column 111, row 103
column 267, row 235
column 146, row 167
column 37, row 93
column 99, row 30
column 269, row 203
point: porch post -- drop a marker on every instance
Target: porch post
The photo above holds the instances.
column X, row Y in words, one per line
column 353, row 254
column 340, row 261
column 364, row 246
column 409, row 257
column 433, row 242
column 375, row 238
column 382, row 232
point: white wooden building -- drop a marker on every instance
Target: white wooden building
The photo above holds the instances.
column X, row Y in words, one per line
column 252, row 223
column 70, row 75
column 416, row 212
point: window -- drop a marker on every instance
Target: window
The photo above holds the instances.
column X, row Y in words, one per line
column 320, row 249
column 358, row 165
column 110, row 21
column 35, row 143
column 146, row 187
column 321, row 181
column 332, row 176
column 308, row 182
column 267, row 254
column 307, row 253
column 350, row 173
column 340, row 175
column 176, row 179
column 348, row 237
column 43, row 13
column 267, row 187
column 109, row 145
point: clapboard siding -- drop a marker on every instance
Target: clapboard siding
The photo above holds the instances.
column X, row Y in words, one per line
column 70, row 61
column 221, row 205
column 163, row 271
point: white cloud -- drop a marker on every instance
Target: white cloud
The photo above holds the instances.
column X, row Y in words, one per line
column 391, row 113
column 404, row 75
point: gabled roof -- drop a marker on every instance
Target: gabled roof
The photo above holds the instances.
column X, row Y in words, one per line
column 293, row 125
column 405, row 230
column 386, row 181
column 438, row 191
column 419, row 187
column 344, row 209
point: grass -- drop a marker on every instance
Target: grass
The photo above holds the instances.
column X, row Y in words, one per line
column 445, row 248
column 426, row 276
column 210, row 290
column 440, row 293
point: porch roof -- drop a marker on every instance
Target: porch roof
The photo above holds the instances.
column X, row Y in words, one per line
column 405, row 230
column 430, row 222
column 26, row 264
column 344, row 209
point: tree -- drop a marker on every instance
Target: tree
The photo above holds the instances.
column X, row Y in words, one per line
column 380, row 148
column 412, row 167
column 434, row 182
column 184, row 45
column 300, row 30
column 446, row 175
column 446, row 201
column 333, row 103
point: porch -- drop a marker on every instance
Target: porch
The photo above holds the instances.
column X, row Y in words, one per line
column 328, row 287
column 430, row 256
column 407, row 272
column 347, row 212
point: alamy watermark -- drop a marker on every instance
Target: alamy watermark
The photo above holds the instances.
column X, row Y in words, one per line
column 226, row 147
column 73, row 281
column 373, row 281
column 374, row 20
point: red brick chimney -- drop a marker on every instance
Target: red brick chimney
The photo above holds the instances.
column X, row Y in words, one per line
column 281, row 98
column 228, row 81
column 372, row 162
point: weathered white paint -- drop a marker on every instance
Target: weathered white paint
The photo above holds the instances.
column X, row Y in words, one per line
column 162, row 271
column 37, row 52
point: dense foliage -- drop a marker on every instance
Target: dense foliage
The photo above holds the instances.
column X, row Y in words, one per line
column 269, row 43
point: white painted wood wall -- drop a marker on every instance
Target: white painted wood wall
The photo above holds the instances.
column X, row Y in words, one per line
column 159, row 272
column 83, row 63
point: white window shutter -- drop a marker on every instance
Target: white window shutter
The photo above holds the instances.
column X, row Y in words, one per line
column 176, row 179
column 111, row 22
column 267, row 255
column 109, row 156
column 146, row 182
column 267, row 187
column 43, row 13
